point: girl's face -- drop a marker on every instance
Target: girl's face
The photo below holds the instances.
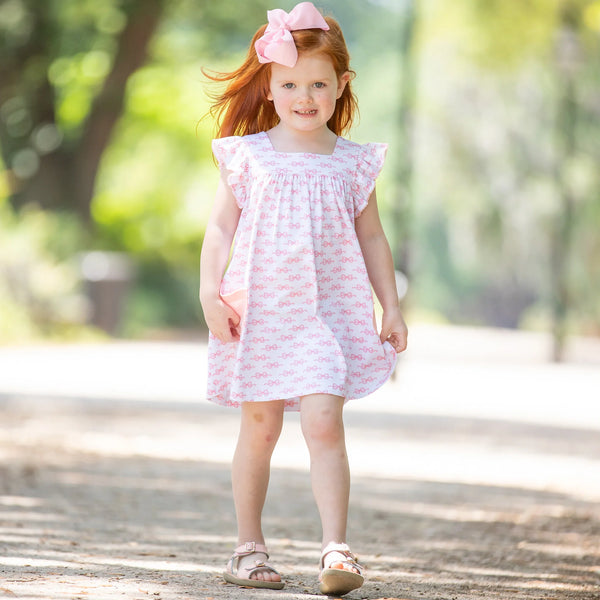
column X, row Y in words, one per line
column 304, row 96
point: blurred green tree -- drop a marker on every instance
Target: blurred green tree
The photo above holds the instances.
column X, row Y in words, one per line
column 64, row 66
column 521, row 129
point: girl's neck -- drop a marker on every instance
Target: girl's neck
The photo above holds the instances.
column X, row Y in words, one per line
column 322, row 141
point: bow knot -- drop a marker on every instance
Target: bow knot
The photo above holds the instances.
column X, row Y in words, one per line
column 277, row 44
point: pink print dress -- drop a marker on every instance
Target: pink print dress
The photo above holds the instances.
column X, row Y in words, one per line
column 297, row 276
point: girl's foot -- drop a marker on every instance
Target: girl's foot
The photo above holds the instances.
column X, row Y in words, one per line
column 340, row 571
column 248, row 567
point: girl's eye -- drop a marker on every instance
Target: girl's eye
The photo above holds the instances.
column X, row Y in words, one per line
column 288, row 86
column 319, row 84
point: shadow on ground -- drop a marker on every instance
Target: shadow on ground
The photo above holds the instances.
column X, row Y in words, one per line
column 107, row 521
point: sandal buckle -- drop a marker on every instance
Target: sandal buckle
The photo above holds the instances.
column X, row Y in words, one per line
column 250, row 547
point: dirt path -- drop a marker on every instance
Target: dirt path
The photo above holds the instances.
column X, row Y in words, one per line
column 112, row 488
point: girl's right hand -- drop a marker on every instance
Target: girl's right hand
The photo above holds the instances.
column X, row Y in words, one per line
column 222, row 320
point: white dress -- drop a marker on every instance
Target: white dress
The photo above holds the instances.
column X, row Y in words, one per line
column 297, row 276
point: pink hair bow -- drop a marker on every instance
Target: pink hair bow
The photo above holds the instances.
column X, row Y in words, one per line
column 277, row 44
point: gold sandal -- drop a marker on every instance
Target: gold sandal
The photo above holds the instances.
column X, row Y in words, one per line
column 231, row 575
column 337, row 582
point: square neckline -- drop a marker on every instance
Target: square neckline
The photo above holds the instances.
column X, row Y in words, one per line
column 272, row 148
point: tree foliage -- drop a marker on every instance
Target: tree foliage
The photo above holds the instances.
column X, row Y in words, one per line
column 511, row 123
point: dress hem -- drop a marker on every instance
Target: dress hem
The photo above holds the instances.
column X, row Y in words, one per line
column 292, row 403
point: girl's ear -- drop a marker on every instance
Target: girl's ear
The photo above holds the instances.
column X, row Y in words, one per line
column 342, row 81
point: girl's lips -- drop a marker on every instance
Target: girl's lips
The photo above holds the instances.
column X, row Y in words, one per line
column 306, row 113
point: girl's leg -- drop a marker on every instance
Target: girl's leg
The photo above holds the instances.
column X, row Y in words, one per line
column 323, row 429
column 260, row 426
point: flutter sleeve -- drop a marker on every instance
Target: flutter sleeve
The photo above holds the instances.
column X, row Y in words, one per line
column 370, row 162
column 232, row 157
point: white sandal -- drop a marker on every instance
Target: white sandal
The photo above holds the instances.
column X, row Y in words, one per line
column 337, row 582
column 234, row 569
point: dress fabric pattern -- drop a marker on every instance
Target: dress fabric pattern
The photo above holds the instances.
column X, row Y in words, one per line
column 297, row 276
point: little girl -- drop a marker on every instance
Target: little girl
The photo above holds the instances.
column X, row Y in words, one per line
column 291, row 318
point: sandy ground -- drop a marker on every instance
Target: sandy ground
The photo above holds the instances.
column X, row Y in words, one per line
column 476, row 474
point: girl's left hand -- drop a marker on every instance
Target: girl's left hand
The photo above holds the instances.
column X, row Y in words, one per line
column 394, row 330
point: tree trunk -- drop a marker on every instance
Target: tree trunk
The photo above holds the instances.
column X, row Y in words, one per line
column 29, row 101
column 567, row 58
column 402, row 210
column 108, row 105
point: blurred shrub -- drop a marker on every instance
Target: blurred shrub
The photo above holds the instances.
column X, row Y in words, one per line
column 40, row 294
column 164, row 296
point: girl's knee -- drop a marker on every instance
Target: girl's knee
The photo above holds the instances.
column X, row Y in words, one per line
column 325, row 433
column 323, row 424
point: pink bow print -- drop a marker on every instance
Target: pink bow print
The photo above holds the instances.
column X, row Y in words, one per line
column 277, row 44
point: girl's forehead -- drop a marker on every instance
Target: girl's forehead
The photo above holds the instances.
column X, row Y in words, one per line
column 315, row 62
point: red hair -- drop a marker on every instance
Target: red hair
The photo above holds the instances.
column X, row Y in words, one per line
column 243, row 107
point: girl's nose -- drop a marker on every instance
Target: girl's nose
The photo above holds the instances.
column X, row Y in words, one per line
column 305, row 94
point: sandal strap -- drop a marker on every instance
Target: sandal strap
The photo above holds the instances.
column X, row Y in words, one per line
column 258, row 565
column 344, row 550
column 250, row 548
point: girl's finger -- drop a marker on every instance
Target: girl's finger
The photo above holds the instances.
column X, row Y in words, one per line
column 233, row 316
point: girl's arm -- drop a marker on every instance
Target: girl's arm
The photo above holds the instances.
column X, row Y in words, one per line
column 221, row 319
column 380, row 268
